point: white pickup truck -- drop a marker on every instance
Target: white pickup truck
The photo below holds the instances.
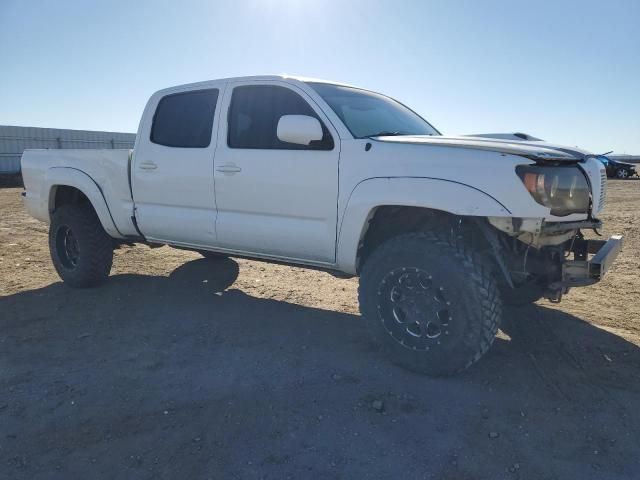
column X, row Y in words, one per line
column 441, row 230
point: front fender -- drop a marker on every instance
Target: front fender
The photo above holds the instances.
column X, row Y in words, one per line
column 433, row 193
column 72, row 177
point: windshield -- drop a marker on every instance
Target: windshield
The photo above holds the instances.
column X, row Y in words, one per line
column 368, row 114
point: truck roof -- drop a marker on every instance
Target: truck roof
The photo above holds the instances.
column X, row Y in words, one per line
column 253, row 77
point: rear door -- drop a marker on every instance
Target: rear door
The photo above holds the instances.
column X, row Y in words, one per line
column 275, row 198
column 172, row 171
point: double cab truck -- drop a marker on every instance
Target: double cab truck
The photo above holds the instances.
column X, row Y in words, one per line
column 441, row 231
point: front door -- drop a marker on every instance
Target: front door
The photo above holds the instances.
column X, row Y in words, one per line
column 275, row 198
column 172, row 171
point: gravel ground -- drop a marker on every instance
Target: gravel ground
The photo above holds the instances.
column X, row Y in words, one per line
column 181, row 367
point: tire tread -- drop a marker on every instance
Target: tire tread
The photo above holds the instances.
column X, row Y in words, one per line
column 478, row 271
column 96, row 266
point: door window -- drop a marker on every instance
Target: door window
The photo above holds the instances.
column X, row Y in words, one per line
column 254, row 114
column 185, row 119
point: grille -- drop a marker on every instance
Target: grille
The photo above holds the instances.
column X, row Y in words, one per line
column 603, row 189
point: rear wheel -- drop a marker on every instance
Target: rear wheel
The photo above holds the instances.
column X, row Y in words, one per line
column 433, row 305
column 82, row 252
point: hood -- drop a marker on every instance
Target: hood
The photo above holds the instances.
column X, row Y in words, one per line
column 626, row 164
column 536, row 150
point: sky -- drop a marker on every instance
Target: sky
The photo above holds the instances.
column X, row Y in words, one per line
column 565, row 71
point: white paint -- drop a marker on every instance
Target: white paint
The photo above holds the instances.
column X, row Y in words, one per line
column 303, row 206
column 282, row 202
column 175, row 201
column 298, row 129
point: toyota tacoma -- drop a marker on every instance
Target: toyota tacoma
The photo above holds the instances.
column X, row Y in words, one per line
column 441, row 230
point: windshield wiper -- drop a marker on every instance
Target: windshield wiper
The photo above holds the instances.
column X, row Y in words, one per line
column 386, row 133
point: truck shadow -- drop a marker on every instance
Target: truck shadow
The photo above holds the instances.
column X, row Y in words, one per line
column 238, row 372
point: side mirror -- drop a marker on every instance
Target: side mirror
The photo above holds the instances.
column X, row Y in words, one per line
column 299, row 129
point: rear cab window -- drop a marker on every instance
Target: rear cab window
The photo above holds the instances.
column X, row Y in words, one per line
column 185, row 119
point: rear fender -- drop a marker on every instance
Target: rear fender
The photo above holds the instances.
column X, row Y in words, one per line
column 72, row 177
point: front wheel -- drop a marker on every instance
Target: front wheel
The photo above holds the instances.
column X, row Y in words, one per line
column 432, row 304
column 623, row 173
column 82, row 252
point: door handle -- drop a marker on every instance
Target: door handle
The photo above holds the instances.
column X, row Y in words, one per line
column 229, row 168
column 148, row 166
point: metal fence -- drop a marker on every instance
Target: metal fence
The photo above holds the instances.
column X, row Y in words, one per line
column 14, row 140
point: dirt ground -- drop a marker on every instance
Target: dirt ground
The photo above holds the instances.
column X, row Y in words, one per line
column 180, row 367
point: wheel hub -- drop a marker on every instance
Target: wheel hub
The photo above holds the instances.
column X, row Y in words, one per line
column 413, row 309
column 67, row 247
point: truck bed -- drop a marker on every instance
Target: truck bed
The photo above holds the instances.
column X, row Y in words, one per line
column 105, row 171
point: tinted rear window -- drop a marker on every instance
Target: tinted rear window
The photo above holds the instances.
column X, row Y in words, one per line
column 185, row 119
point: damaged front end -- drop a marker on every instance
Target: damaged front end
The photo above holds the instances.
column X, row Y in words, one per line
column 591, row 260
column 552, row 256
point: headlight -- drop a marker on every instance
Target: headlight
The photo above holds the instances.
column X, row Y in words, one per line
column 564, row 190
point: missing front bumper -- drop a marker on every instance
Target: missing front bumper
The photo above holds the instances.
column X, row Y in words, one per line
column 586, row 271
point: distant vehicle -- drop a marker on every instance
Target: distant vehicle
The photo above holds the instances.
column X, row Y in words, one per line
column 441, row 230
column 618, row 169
